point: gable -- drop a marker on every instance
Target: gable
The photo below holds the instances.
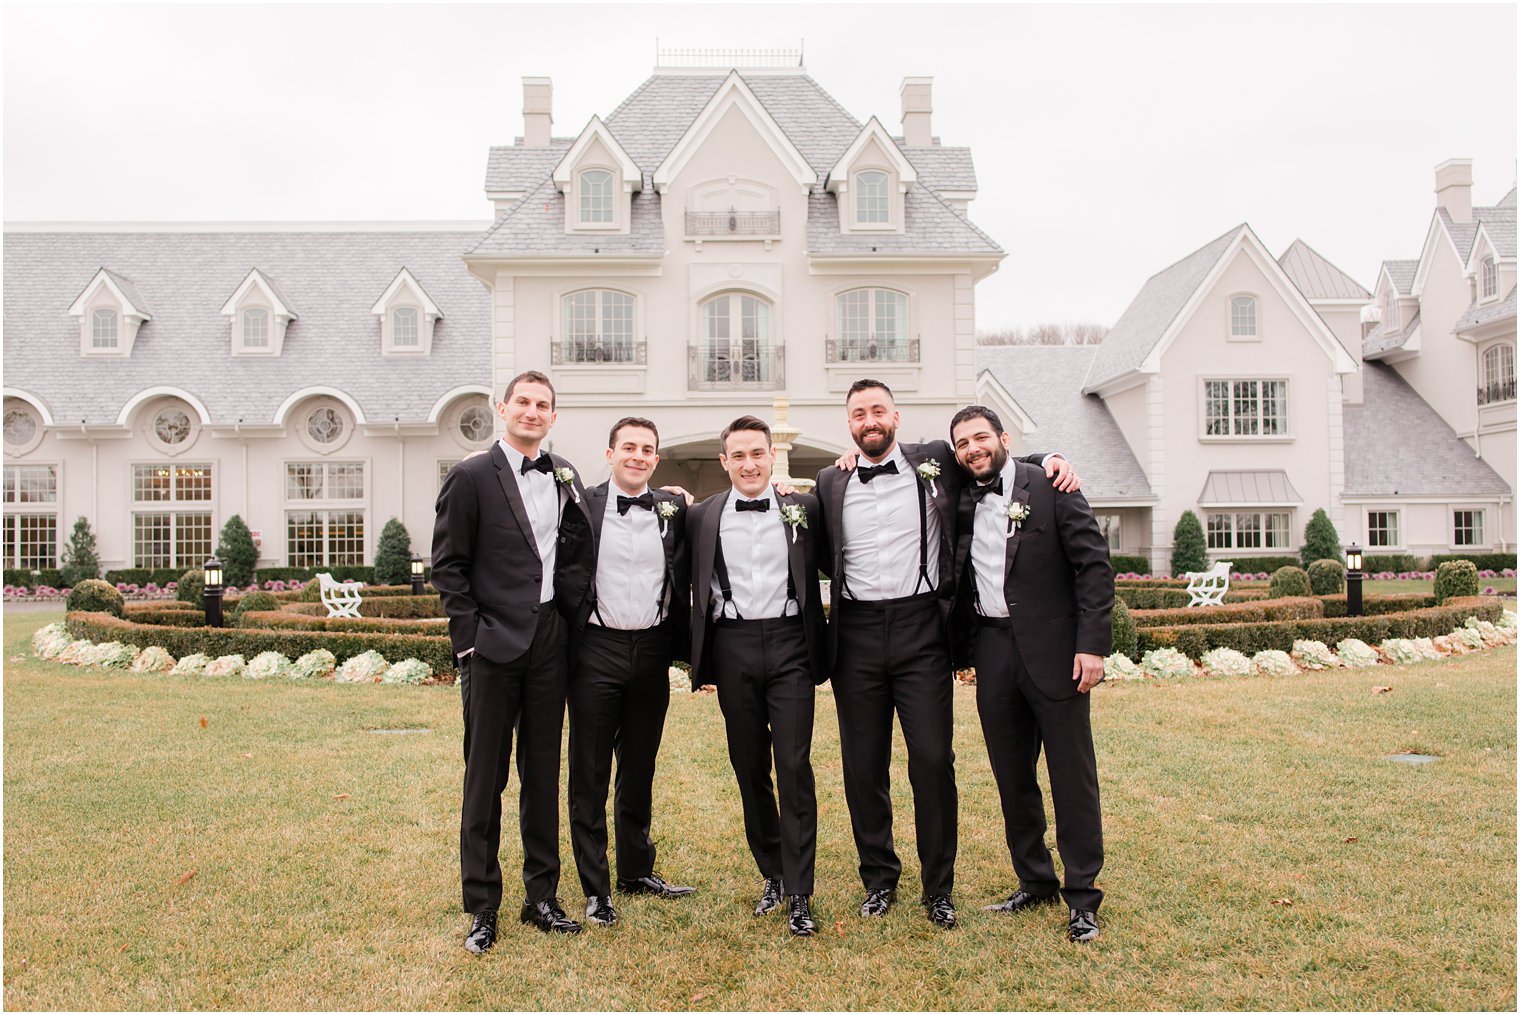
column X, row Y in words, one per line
column 735, row 97
column 596, row 146
column 873, row 147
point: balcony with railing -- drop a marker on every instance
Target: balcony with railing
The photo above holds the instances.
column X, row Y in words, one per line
column 731, row 224
column 870, row 350
column 1501, row 391
column 891, row 359
column 741, row 365
column 597, row 351
column 598, row 366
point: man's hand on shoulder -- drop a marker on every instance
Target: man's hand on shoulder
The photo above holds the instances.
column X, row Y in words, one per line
column 682, row 491
column 1061, row 474
column 846, row 462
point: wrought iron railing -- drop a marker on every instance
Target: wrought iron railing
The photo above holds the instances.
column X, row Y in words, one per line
column 617, row 352
column 733, row 223
column 726, row 365
column 870, row 350
column 1504, row 391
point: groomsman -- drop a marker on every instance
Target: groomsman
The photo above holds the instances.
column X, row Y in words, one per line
column 888, row 540
column 631, row 627
column 758, row 633
column 510, row 549
column 1037, row 590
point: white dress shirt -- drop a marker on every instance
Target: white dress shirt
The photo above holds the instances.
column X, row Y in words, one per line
column 989, row 546
column 541, row 499
column 630, row 566
column 755, row 548
column 881, row 543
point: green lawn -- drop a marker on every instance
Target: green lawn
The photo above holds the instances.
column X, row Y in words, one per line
column 1262, row 854
column 1373, row 587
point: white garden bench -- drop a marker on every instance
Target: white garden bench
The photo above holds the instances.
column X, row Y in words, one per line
column 341, row 598
column 1207, row 588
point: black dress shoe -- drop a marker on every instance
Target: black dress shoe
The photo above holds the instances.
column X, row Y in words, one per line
column 799, row 918
column 548, row 917
column 941, row 911
column 770, row 897
column 1083, row 926
column 652, row 884
column 878, row 901
column 600, row 912
column 482, row 933
column 1019, row 901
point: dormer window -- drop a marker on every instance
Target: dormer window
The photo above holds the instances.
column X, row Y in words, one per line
column 110, row 312
column 407, row 317
column 870, row 183
column 598, row 180
column 258, row 314
column 256, row 329
column 872, row 202
column 103, row 333
column 1490, row 278
column 1390, row 312
column 1243, row 317
column 404, row 323
column 596, row 198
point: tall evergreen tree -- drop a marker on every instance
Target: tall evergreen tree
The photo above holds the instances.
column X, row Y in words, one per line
column 1320, row 539
column 393, row 557
column 80, row 559
column 237, row 552
column 1190, row 552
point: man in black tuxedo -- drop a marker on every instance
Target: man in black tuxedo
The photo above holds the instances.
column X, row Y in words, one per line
column 758, row 633
column 888, row 540
column 633, row 624
column 1036, row 593
column 510, row 549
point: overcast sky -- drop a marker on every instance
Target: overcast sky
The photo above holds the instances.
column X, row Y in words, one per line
column 1109, row 141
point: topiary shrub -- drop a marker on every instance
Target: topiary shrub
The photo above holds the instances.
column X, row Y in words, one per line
column 191, row 587
column 237, row 552
column 80, row 559
column 1456, row 578
column 97, row 596
column 1190, row 552
column 1125, row 641
column 393, row 555
column 251, row 602
column 1320, row 539
column 1289, row 581
column 1327, row 577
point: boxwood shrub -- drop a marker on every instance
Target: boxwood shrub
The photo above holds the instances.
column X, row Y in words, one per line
column 1456, row 578
column 1327, row 577
column 252, row 601
column 1175, row 599
column 1130, row 564
column 1394, row 562
column 290, row 620
column 1123, row 630
column 1290, row 581
column 1288, row 608
column 1481, row 561
column 159, row 576
column 94, row 594
column 1399, row 602
column 51, row 577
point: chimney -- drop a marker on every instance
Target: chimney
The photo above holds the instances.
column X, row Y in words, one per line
column 1454, row 189
column 917, row 105
column 538, row 116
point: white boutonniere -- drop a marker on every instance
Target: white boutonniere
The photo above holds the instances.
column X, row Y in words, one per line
column 1017, row 512
column 667, row 510
column 930, row 471
column 795, row 516
column 565, row 476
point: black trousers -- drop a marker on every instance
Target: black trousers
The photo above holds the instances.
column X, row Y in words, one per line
column 1017, row 719
column 527, row 696
column 765, row 690
column 619, row 692
column 893, row 656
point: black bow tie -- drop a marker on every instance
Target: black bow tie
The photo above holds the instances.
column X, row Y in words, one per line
column 870, row 472
column 753, row 505
column 543, row 463
column 996, row 486
column 644, row 500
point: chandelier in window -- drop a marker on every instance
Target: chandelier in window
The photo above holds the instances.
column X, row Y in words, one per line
column 325, row 425
column 475, row 424
column 172, row 426
column 20, row 427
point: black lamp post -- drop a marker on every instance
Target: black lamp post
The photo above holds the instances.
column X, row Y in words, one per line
column 1354, row 578
column 211, row 593
column 416, row 576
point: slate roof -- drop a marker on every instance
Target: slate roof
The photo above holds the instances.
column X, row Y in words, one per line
column 930, row 227
column 1247, row 486
column 535, row 226
column 940, row 168
column 1396, row 444
column 1508, row 200
column 1401, row 274
column 1498, row 221
column 1480, row 314
column 518, row 168
column 1316, row 277
column 1046, row 381
column 1378, row 342
column 129, row 290
column 333, row 278
column 1152, row 311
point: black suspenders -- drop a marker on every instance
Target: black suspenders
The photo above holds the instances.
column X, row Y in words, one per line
column 923, row 546
column 720, row 571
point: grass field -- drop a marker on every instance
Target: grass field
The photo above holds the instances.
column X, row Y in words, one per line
column 213, row 843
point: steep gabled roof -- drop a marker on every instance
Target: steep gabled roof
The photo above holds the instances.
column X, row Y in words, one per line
column 535, row 227
column 1401, row 274
column 1508, row 200
column 1381, row 341
column 1480, row 314
column 735, row 94
column 1316, row 277
column 930, row 227
column 121, row 287
column 597, row 131
column 872, row 131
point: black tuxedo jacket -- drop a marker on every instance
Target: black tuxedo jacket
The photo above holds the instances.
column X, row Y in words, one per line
column 599, row 500
column 485, row 559
column 1057, row 580
column 802, row 555
column 942, row 495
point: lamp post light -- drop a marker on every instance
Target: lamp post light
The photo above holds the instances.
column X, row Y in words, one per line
column 1354, row 578
column 211, row 592
column 416, row 576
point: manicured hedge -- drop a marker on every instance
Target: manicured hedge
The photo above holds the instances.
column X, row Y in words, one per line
column 1174, row 599
column 1196, row 639
column 1151, row 583
column 398, row 607
column 218, row 641
column 1255, row 565
column 51, row 577
column 1335, row 606
column 1394, row 562
column 162, row 616
column 290, row 620
column 1130, row 564
column 1482, row 561
column 159, row 576
column 1288, row 608
column 368, row 592
column 154, row 605
column 342, row 572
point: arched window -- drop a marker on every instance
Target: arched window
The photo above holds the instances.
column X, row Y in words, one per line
column 1490, row 278
column 736, row 342
column 871, row 202
column 1498, row 374
column 597, row 327
column 872, row 327
column 255, row 329
column 1243, row 317
column 596, row 197
column 404, row 328
column 103, row 330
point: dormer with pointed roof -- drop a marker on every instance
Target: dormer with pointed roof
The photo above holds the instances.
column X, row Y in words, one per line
column 407, row 315
column 110, row 312
column 258, row 314
column 870, row 180
column 598, row 180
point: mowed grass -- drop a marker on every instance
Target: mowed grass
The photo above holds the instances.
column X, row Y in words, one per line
column 1262, row 854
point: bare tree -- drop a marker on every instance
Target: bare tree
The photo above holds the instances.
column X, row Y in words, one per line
column 1082, row 333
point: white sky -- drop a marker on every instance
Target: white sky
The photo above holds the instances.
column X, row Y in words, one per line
column 1109, row 141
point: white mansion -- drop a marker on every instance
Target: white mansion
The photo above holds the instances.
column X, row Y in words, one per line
column 722, row 239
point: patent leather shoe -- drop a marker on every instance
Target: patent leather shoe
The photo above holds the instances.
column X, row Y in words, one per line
column 878, row 901
column 799, row 917
column 770, row 897
column 482, row 933
column 600, row 912
column 652, row 884
column 549, row 917
column 1020, row 901
column 1083, row 926
column 941, row 911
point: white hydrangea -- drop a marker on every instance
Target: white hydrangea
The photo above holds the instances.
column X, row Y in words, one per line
column 1313, row 655
column 1121, row 667
column 1426, row 647
column 226, row 666
column 50, row 641
column 407, row 671
column 193, row 665
column 266, row 665
column 1167, row 662
column 365, row 668
column 153, row 659
column 1226, row 662
column 314, row 665
column 1354, row 652
column 680, row 680
column 1401, row 651
column 1273, row 662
